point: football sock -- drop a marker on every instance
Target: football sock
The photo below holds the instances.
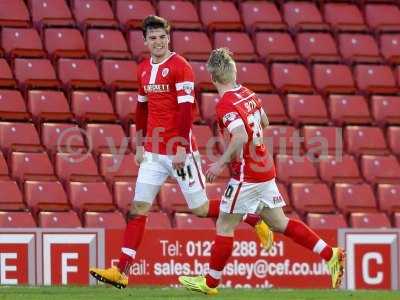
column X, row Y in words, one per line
column 252, row 219
column 132, row 237
column 220, row 253
column 303, row 235
column 213, row 208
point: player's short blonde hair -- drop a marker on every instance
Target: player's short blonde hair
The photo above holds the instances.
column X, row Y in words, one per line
column 221, row 66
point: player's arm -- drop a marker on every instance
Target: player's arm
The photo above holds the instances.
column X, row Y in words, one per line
column 141, row 121
column 264, row 119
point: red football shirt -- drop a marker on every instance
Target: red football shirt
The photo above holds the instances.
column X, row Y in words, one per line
column 164, row 86
column 241, row 106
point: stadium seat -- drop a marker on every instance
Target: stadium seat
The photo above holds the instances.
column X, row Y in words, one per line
column 64, row 42
column 389, row 197
column 51, row 13
column 202, row 78
column 92, row 106
column 203, row 135
column 11, row 196
column 76, row 167
column 136, row 44
column 48, row 106
column 292, row 169
column 393, row 138
column 312, row 198
column 132, row 136
column 14, row 13
column 215, row 190
column 188, row 221
column 182, row 14
column 359, row 48
column 364, row 140
column 21, row 42
column 238, row 42
column 125, row 105
column 343, row 169
column 158, row 220
column 306, row 109
column 260, row 15
column 280, row 139
column 276, row 46
column 12, row 105
column 326, row 221
column 90, row 196
column 354, row 198
column 332, row 78
column 16, row 219
column 369, row 220
column 93, row 13
column 37, row 73
column 377, row 79
column 59, row 219
column 79, row 73
column 193, row 45
column 6, row 76
column 303, row 16
column 117, row 167
column 3, row 168
column 62, row 137
column 34, row 166
column 386, row 109
column 344, row 17
column 106, row 138
column 130, row 12
column 107, row 43
column 119, row 74
column 390, row 47
column 273, row 106
column 382, row 17
column 349, row 109
column 19, row 136
column 291, row 78
column 253, row 76
column 380, row 169
column 220, row 15
column 171, row 198
column 317, row 47
column 45, row 196
column 321, row 140
column 104, row 220
column 208, row 103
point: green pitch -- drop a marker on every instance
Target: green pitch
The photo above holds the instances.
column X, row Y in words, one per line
column 105, row 293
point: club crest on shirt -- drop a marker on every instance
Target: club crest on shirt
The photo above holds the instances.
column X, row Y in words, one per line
column 229, row 117
column 188, row 88
column 165, row 72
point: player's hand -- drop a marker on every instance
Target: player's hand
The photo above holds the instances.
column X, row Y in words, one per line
column 139, row 156
column 214, row 170
column 178, row 162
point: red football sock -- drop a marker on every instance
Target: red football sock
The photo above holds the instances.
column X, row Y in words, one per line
column 213, row 208
column 303, row 235
column 132, row 237
column 252, row 219
column 220, row 253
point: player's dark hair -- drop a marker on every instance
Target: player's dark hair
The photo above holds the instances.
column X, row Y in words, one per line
column 155, row 22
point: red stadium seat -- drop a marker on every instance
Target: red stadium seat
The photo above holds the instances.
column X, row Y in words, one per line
column 104, row 220
column 192, row 44
column 45, row 196
column 238, row 42
column 291, row 78
column 378, row 79
column 220, row 15
column 12, row 105
column 136, row 44
column 34, row 166
column 386, row 109
column 254, row 76
column 309, row 109
column 3, row 167
column 116, row 167
column 16, row 219
column 203, row 135
column 51, row 13
column 396, row 220
column 349, row 109
column 106, row 138
column 280, row 138
column 125, row 105
column 303, row 16
column 364, row 140
column 132, row 136
column 354, row 197
column 76, row 167
column 380, row 169
column 158, row 220
column 260, row 15
column 21, row 42
column 208, row 103
column 60, row 219
column 62, row 137
column 291, row 169
column 182, row 14
column 344, row 17
column 79, row 73
column 188, row 221
column 317, row 47
column 333, row 78
column 90, row 196
column 92, row 106
column 14, row 13
column 64, row 42
column 389, row 197
column 326, row 221
column 383, row 17
column 171, row 198
column 130, row 12
column 19, row 136
column 369, row 220
column 12, row 197
column 94, row 13
column 321, row 140
column 273, row 107
column 393, row 138
column 35, row 73
column 202, row 78
column 359, row 48
column 215, row 190
column 107, row 43
column 390, row 47
column 120, row 74
column 276, row 46
column 343, row 169
column 312, row 198
column 123, row 195
column 6, row 76
column 48, row 105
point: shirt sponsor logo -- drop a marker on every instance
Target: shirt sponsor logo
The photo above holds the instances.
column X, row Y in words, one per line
column 156, row 88
column 229, row 117
column 187, row 89
column 165, row 72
